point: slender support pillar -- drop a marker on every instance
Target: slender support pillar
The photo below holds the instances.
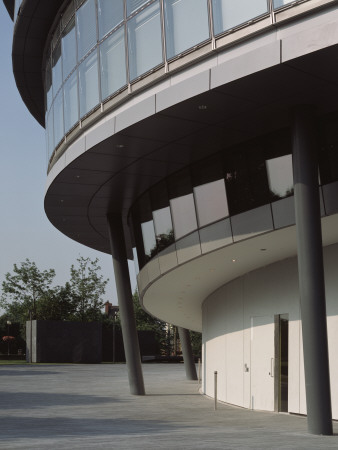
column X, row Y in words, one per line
column 124, row 293
column 188, row 357
column 311, row 272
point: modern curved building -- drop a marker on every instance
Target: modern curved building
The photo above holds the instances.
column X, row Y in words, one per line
column 200, row 138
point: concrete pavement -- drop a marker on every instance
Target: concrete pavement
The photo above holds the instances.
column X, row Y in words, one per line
column 89, row 407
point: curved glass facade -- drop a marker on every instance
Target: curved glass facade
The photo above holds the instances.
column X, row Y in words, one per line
column 194, row 205
column 100, row 46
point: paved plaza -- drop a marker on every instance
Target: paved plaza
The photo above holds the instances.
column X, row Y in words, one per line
column 89, row 407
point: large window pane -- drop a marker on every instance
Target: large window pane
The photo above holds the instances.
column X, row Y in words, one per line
column 89, row 84
column 110, row 14
column 68, row 48
column 144, row 41
column 246, row 180
column 163, row 228
column 50, row 133
column 58, row 118
column 280, row 178
column 49, row 91
column 86, row 28
column 211, row 202
column 149, row 240
column 71, row 101
column 186, row 23
column 229, row 13
column 183, row 214
column 133, row 5
column 56, row 68
column 113, row 63
column 280, row 3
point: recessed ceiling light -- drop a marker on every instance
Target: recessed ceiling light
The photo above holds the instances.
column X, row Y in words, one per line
column 119, row 145
column 233, row 260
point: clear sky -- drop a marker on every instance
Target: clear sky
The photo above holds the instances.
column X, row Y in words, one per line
column 25, row 231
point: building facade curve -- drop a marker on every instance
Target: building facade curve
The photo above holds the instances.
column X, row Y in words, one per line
column 182, row 121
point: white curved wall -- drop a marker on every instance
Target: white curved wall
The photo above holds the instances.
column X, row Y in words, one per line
column 238, row 327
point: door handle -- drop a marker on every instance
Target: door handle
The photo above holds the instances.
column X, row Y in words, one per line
column 271, row 373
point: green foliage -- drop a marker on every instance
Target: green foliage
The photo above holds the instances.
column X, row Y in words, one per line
column 87, row 287
column 27, row 290
column 196, row 343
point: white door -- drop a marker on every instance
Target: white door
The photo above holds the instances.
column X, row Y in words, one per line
column 262, row 363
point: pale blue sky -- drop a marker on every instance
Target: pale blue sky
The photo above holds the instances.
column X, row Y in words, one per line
column 25, row 231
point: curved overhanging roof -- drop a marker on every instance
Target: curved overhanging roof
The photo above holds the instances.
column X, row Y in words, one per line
column 177, row 296
column 31, row 31
column 96, row 177
column 9, row 4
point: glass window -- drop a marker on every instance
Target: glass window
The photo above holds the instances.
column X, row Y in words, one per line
column 86, row 28
column 144, row 41
column 68, row 48
column 49, row 91
column 56, row 68
column 280, row 178
column 113, row 63
column 228, row 14
column 50, row 132
column 134, row 5
column 110, row 14
column 183, row 214
column 280, row 3
column 149, row 239
column 163, row 228
column 58, row 118
column 71, row 101
column 88, row 84
column 211, row 202
column 246, row 180
column 186, row 24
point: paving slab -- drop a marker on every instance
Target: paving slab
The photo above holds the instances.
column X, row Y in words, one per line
column 89, row 407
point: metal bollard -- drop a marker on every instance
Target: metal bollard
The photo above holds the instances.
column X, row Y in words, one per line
column 215, row 389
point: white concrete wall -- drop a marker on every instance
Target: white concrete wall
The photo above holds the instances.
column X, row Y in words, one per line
column 227, row 335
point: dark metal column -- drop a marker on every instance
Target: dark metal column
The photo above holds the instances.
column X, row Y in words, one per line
column 124, row 293
column 311, row 272
column 188, row 357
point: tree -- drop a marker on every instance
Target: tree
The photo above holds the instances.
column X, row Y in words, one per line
column 87, row 288
column 24, row 289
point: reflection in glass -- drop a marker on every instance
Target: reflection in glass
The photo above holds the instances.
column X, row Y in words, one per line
column 246, row 180
column 50, row 132
column 88, row 84
column 113, row 63
column 56, row 68
column 133, row 5
column 110, row 14
column 49, row 92
column 144, row 41
column 163, row 228
column 211, row 202
column 228, row 14
column 280, row 3
column 149, row 239
column 58, row 118
column 186, row 23
column 71, row 101
column 280, row 178
column 183, row 214
column 86, row 28
column 68, row 48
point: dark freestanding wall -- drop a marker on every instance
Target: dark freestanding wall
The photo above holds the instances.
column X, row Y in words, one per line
column 64, row 342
